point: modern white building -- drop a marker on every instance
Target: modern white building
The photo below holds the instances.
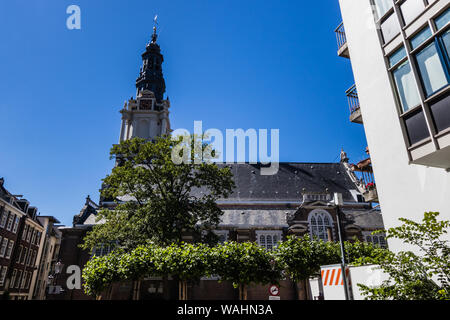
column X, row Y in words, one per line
column 400, row 56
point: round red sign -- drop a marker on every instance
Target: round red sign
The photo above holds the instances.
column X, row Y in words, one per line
column 274, row 290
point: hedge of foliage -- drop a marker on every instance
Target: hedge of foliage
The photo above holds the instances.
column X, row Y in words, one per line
column 240, row 263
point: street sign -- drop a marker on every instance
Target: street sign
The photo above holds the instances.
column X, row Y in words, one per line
column 274, row 291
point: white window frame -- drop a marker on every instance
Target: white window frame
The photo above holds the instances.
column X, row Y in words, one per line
column 11, row 217
column 28, row 283
column 3, row 246
column 102, row 249
column 33, row 237
column 18, row 279
column 20, row 253
column 323, row 214
column 369, row 238
column 3, row 271
column 222, row 233
column 24, row 280
column 38, row 238
column 9, row 250
column 33, row 258
column 3, row 218
column 30, row 253
column 13, row 278
column 265, row 234
column 16, row 224
column 24, row 232
column 24, row 256
column 30, row 231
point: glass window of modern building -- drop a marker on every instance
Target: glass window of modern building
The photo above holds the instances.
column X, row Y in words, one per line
column 432, row 72
column 397, row 56
column 416, row 127
column 390, row 28
column 420, row 38
column 382, row 7
column 411, row 9
column 404, row 81
column 442, row 20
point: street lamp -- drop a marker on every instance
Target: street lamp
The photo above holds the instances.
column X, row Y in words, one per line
column 54, row 277
column 338, row 201
column 58, row 267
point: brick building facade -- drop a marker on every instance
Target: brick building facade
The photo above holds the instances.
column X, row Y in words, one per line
column 22, row 238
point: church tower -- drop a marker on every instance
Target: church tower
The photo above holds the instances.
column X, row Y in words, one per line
column 147, row 116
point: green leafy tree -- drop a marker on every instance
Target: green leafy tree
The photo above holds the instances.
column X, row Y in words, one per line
column 363, row 253
column 244, row 264
column 100, row 272
column 187, row 262
column 157, row 203
column 241, row 263
column 424, row 276
column 301, row 258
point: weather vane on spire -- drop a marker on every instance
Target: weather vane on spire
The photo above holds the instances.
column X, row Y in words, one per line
column 155, row 35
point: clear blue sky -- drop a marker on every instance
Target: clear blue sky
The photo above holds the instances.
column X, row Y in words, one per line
column 232, row 64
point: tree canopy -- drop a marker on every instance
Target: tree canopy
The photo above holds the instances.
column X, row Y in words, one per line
column 155, row 195
column 423, row 276
column 242, row 264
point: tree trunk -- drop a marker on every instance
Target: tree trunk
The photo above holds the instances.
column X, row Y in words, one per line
column 182, row 290
column 243, row 292
column 166, row 287
column 110, row 297
column 308, row 290
column 136, row 290
column 296, row 291
column 302, row 290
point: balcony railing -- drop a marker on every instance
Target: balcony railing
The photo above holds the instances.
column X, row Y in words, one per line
column 342, row 41
column 353, row 103
column 366, row 181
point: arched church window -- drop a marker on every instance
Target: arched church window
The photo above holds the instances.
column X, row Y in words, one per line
column 319, row 222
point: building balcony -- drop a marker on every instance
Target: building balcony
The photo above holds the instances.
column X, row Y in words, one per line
column 365, row 179
column 353, row 103
column 342, row 41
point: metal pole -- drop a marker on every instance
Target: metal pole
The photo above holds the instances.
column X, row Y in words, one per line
column 338, row 202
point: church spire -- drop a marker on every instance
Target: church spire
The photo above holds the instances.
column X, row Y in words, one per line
column 151, row 75
column 147, row 116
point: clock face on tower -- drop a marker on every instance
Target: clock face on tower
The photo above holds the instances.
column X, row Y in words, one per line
column 146, row 105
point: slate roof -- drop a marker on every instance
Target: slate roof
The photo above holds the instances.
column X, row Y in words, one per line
column 371, row 219
column 287, row 185
column 255, row 218
column 290, row 182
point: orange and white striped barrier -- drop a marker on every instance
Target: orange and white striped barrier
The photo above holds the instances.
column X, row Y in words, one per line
column 332, row 277
column 333, row 282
